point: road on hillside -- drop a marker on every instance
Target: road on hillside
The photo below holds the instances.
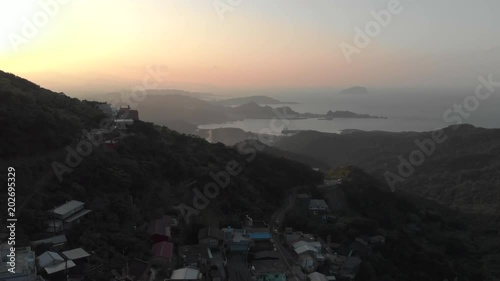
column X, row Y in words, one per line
column 287, row 258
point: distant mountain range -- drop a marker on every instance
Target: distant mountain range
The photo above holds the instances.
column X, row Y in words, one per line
column 255, row 99
column 355, row 90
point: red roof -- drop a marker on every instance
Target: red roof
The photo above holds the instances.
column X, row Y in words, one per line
column 163, row 250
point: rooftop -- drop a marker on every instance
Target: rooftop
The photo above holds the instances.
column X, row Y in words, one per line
column 305, row 249
column 211, row 232
column 192, row 253
column 163, row 249
column 77, row 216
column 75, row 254
column 268, row 266
column 68, row 207
column 53, row 262
column 266, row 255
column 55, row 240
column 318, row 204
column 316, row 276
column 186, row 273
column 260, row 235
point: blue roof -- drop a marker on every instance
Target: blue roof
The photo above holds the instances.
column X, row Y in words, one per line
column 260, row 235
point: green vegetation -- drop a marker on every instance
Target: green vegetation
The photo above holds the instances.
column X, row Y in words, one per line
column 144, row 177
column 424, row 241
column 35, row 120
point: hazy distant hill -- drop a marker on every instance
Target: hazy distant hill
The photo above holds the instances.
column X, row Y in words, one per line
column 256, row 99
column 252, row 110
column 355, row 90
column 161, row 109
column 113, row 97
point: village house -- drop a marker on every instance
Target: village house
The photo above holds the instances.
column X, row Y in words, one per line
column 162, row 253
column 259, row 234
column 77, row 255
column 159, row 231
column 236, row 240
column 195, row 255
column 186, row 273
column 25, row 264
column 318, row 206
column 66, row 215
column 316, row 276
column 53, row 262
column 54, row 241
column 307, row 263
column 56, row 263
column 267, row 266
column 127, row 113
column 211, row 236
column 309, row 254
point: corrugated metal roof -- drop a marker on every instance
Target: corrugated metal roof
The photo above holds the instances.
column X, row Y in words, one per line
column 49, row 258
column 186, row 273
column 77, row 216
column 59, row 267
column 75, row 254
column 59, row 239
column 64, row 209
column 260, row 236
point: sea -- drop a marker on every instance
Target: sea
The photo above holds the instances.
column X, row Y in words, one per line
column 405, row 111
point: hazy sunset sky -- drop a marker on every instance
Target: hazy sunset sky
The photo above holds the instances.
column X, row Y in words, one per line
column 258, row 44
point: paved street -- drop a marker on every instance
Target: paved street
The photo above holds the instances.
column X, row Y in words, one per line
column 286, row 256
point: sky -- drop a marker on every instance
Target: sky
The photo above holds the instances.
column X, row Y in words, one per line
column 228, row 46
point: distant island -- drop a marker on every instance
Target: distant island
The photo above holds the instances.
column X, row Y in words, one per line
column 255, row 99
column 348, row 114
column 252, row 110
column 355, row 90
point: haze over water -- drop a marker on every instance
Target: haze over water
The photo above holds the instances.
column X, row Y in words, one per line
column 405, row 111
